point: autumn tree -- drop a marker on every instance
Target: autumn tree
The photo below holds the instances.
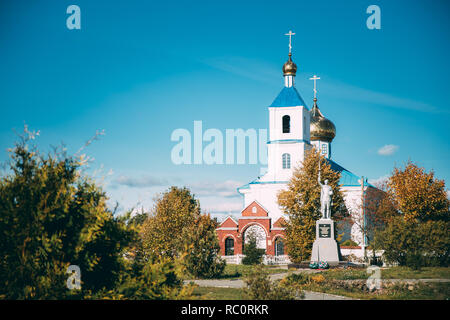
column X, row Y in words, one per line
column 301, row 204
column 162, row 233
column 416, row 214
column 53, row 215
column 418, row 195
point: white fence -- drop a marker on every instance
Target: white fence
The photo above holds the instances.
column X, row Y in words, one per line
column 267, row 259
column 356, row 254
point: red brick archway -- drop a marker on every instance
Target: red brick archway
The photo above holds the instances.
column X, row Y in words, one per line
column 253, row 214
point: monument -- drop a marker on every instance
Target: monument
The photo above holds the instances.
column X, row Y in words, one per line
column 325, row 247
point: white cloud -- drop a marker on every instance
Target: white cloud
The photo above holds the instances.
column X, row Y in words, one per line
column 139, row 182
column 133, row 191
column 268, row 72
column 248, row 68
column 388, row 150
column 379, row 181
column 342, row 90
column 226, row 189
column 225, row 207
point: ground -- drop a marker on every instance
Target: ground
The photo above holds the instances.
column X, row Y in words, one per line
column 335, row 284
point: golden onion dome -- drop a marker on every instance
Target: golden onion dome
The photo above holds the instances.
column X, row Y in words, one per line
column 289, row 68
column 320, row 127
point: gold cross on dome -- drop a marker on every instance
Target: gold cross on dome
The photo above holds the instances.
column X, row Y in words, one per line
column 315, row 78
column 290, row 34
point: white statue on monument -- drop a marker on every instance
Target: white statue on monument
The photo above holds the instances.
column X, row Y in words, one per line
column 325, row 198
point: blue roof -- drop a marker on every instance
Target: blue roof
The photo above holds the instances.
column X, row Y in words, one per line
column 348, row 179
column 288, row 97
column 258, row 181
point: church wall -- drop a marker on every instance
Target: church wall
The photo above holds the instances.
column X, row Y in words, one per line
column 275, row 158
column 266, row 195
column 353, row 202
column 222, row 235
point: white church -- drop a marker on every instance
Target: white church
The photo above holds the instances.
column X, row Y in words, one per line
column 293, row 129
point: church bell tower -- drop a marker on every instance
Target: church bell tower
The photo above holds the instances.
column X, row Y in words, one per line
column 288, row 127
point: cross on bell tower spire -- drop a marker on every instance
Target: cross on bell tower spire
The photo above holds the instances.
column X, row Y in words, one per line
column 315, row 90
column 289, row 68
column 290, row 34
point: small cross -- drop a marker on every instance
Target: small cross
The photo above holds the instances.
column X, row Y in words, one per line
column 315, row 78
column 290, row 34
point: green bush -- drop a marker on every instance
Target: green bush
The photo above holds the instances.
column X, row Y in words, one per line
column 253, row 255
column 415, row 244
column 202, row 256
column 349, row 242
column 298, row 278
column 154, row 280
column 260, row 287
column 53, row 216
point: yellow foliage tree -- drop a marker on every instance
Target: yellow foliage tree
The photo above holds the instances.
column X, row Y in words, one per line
column 162, row 233
column 417, row 195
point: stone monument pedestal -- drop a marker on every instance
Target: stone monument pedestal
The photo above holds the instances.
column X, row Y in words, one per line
column 325, row 247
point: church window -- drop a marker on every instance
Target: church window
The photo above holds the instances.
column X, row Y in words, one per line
column 286, row 161
column 254, row 209
column 229, row 247
column 279, row 247
column 324, row 149
column 286, row 124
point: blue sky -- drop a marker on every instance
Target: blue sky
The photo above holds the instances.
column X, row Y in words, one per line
column 141, row 69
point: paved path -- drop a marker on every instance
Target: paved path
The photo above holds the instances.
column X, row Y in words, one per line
column 311, row 295
column 239, row 283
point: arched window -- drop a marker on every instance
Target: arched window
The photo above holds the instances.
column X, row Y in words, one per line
column 324, row 149
column 279, row 247
column 286, row 124
column 254, row 210
column 229, row 247
column 286, row 161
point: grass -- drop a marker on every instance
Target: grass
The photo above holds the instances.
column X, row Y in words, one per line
column 423, row 291
column 214, row 293
column 240, row 271
column 428, row 291
column 236, row 271
column 389, row 273
column 423, row 273
column 327, row 281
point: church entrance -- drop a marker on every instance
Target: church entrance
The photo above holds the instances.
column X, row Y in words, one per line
column 257, row 232
column 279, row 247
column 229, row 246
